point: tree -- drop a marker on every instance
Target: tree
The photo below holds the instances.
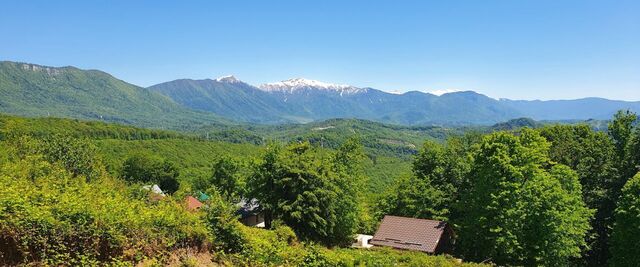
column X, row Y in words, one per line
column 621, row 130
column 261, row 184
column 426, row 194
column 348, row 165
column 439, row 175
column 626, row 232
column 146, row 168
column 632, row 158
column 226, row 178
column 592, row 154
column 307, row 192
column 521, row 208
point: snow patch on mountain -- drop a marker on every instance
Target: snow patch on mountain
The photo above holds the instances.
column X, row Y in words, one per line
column 443, row 91
column 294, row 85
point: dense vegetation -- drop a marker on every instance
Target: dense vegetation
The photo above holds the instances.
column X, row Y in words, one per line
column 67, row 210
column 73, row 194
column 531, row 197
column 59, row 206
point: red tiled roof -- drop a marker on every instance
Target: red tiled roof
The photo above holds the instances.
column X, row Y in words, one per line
column 409, row 233
column 193, row 203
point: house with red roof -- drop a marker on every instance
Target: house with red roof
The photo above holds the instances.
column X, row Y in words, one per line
column 192, row 203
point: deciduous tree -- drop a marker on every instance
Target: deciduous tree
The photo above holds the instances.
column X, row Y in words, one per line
column 626, row 232
column 521, row 208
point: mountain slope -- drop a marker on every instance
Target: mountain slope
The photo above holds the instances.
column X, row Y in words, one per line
column 324, row 100
column 227, row 97
column 34, row 90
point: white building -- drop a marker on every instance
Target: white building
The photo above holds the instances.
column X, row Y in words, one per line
column 362, row 241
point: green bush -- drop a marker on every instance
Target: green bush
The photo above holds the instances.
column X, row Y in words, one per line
column 223, row 224
column 49, row 215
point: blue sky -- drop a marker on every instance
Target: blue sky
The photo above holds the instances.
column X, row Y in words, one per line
column 512, row 49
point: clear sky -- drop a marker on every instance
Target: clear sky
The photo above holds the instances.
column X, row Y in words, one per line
column 556, row 49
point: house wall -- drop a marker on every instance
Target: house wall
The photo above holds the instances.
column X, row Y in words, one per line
column 446, row 242
column 253, row 220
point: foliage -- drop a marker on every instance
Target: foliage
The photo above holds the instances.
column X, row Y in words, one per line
column 298, row 185
column 223, row 224
column 50, row 215
column 515, row 124
column 76, row 155
column 12, row 127
column 269, row 248
column 226, row 178
column 509, row 196
column 521, row 209
column 439, row 176
column 626, row 232
column 632, row 159
column 145, row 168
column 620, row 130
column 592, row 155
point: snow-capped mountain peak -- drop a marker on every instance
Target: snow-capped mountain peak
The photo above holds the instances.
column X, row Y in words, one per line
column 297, row 84
column 228, row 79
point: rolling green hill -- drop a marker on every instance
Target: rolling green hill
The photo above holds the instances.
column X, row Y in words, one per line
column 40, row 91
column 378, row 138
column 194, row 153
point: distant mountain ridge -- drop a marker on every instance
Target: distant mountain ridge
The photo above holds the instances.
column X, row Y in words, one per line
column 310, row 100
column 34, row 90
column 304, row 100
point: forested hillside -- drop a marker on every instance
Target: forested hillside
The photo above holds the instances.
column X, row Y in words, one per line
column 41, row 91
column 195, row 152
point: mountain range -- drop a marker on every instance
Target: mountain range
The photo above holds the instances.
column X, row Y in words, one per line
column 34, row 90
column 303, row 100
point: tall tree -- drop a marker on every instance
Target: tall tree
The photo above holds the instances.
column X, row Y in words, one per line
column 307, row 191
column 439, row 176
column 521, row 209
column 226, row 178
column 626, row 232
column 348, row 166
column 633, row 152
column 426, row 194
column 621, row 131
column 592, row 154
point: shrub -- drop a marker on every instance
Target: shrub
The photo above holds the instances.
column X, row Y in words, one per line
column 48, row 215
column 223, row 225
